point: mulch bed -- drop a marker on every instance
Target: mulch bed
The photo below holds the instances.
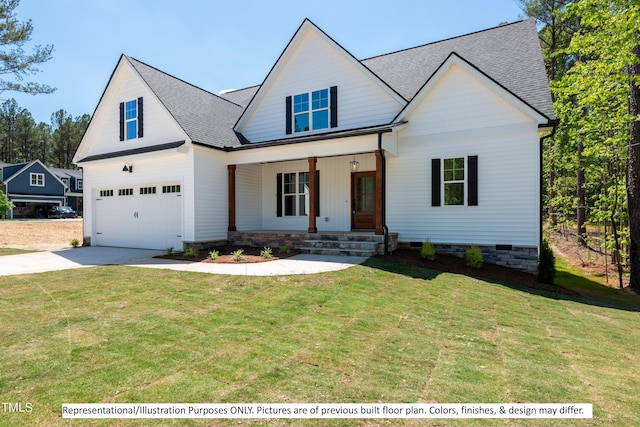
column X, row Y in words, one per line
column 444, row 263
column 250, row 255
column 491, row 272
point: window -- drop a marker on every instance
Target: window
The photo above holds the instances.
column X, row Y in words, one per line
column 106, row 193
column 147, row 190
column 295, row 194
column 79, row 184
column 131, row 119
column 171, row 188
column 125, row 192
column 453, row 180
column 37, row 179
column 65, row 181
column 312, row 110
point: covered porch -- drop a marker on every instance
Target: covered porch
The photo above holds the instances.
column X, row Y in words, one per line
column 333, row 200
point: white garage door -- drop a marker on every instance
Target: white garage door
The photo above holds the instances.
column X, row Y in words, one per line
column 148, row 216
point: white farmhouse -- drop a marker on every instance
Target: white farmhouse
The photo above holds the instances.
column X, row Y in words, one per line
column 330, row 153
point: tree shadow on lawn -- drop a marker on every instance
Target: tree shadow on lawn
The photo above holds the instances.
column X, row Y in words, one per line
column 570, row 286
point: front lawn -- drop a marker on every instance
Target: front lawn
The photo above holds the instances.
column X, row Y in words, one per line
column 382, row 332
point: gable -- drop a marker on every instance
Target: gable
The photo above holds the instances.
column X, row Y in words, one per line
column 23, row 180
column 104, row 134
column 314, row 62
column 459, row 97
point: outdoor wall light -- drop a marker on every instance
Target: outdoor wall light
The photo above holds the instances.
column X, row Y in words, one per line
column 355, row 165
column 128, row 167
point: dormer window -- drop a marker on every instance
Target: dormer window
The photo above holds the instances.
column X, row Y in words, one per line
column 315, row 110
column 131, row 119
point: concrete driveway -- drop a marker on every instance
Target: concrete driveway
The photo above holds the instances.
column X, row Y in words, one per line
column 39, row 262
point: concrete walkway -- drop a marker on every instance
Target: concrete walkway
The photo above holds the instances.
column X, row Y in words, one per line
column 38, row 262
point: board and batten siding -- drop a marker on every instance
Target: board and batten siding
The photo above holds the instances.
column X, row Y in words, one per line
column 314, row 64
column 210, row 209
column 151, row 169
column 459, row 117
column 104, row 130
column 335, row 193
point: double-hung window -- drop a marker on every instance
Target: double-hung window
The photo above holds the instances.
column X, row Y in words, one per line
column 295, row 193
column 131, row 126
column 131, row 119
column 453, row 179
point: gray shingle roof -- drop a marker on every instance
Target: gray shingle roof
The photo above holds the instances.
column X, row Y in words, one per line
column 509, row 54
column 207, row 119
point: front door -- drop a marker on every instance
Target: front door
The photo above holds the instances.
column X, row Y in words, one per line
column 363, row 201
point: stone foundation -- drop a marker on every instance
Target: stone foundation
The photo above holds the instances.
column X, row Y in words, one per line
column 299, row 240
column 208, row 244
column 516, row 257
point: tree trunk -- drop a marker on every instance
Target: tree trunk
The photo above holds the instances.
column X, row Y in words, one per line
column 633, row 176
column 582, row 210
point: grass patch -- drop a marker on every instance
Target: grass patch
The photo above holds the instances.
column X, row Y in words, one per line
column 377, row 333
column 11, row 251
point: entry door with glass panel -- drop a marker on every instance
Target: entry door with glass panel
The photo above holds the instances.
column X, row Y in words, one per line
column 363, row 201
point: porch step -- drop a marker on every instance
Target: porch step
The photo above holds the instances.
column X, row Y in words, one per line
column 346, row 245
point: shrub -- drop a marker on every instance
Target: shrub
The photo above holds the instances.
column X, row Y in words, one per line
column 75, row 243
column 213, row 254
column 5, row 204
column 169, row 251
column 428, row 252
column 191, row 252
column 474, row 257
column 266, row 253
column 237, row 254
column 285, row 250
column 546, row 263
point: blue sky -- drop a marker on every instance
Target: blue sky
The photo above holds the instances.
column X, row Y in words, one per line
column 219, row 45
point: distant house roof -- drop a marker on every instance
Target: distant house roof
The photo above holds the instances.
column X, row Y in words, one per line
column 509, row 54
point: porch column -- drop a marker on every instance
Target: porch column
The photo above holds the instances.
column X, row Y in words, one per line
column 312, row 195
column 232, row 197
column 378, row 196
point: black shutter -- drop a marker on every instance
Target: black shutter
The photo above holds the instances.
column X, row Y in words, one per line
column 472, row 195
column 279, row 195
column 122, row 121
column 317, row 193
column 333, row 106
column 435, row 182
column 140, row 118
column 288, row 125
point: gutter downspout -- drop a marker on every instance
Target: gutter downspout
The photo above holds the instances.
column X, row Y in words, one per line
column 384, row 195
column 555, row 124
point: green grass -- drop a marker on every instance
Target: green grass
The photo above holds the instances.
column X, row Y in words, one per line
column 381, row 332
column 11, row 251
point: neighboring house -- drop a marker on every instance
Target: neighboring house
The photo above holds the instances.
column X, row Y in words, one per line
column 438, row 142
column 32, row 188
column 72, row 179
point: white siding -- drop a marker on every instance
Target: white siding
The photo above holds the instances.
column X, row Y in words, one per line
column 311, row 64
column 103, row 134
column 149, row 169
column 335, row 193
column 210, row 195
column 460, row 117
column 248, row 197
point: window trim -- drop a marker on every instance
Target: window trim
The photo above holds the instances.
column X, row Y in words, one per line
column 462, row 181
column 36, row 179
column 297, row 196
column 325, row 101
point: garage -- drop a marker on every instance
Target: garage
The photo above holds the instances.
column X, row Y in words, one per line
column 145, row 216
